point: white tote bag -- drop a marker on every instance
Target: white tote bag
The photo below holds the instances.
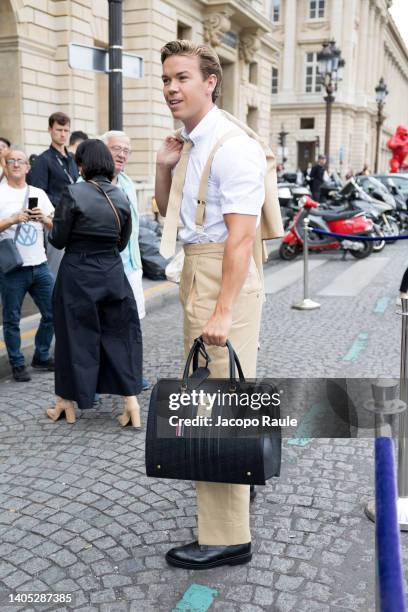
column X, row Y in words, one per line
column 174, row 268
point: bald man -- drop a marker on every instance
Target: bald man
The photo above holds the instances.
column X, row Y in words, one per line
column 26, row 228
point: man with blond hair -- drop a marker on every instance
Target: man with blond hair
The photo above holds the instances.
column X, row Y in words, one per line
column 221, row 289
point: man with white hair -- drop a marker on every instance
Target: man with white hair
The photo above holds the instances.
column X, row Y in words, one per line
column 118, row 144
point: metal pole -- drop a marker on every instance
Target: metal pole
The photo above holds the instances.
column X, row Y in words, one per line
column 306, row 303
column 306, row 259
column 403, row 425
column 329, row 101
column 115, row 65
column 397, row 408
column 377, row 143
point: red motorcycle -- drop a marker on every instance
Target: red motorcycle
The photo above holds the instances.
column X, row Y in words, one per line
column 350, row 222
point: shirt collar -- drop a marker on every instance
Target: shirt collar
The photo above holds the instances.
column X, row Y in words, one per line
column 59, row 154
column 205, row 127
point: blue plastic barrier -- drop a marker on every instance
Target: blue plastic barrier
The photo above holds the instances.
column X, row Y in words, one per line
column 353, row 237
column 389, row 566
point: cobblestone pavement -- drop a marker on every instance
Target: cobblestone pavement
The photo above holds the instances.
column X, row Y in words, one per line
column 78, row 515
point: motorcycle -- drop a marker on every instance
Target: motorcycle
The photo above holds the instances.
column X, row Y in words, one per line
column 348, row 222
column 352, row 197
column 397, row 216
column 289, row 196
column 382, row 191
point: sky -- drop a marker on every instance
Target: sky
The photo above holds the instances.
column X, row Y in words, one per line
column 399, row 12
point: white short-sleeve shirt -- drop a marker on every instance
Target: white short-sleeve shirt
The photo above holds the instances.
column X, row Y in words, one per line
column 236, row 183
column 30, row 241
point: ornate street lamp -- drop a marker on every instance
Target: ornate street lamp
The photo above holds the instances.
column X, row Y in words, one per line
column 381, row 92
column 282, row 142
column 330, row 64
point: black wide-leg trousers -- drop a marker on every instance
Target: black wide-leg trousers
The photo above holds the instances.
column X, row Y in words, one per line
column 98, row 341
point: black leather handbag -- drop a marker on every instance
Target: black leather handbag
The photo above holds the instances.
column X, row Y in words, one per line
column 10, row 258
column 214, row 453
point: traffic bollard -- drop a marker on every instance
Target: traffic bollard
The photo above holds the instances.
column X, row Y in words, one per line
column 306, row 303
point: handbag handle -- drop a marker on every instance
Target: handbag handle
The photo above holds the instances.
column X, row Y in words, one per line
column 199, row 348
column 113, row 207
column 233, row 360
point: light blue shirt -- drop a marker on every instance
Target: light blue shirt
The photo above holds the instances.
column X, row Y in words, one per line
column 131, row 254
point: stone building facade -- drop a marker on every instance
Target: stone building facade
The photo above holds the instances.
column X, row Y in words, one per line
column 372, row 48
column 264, row 46
column 35, row 79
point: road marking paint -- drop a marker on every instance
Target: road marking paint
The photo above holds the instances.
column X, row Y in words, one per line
column 197, row 598
column 307, row 426
column 358, row 345
column 381, row 305
column 299, row 441
column 276, row 281
column 152, row 290
column 28, row 334
column 357, row 276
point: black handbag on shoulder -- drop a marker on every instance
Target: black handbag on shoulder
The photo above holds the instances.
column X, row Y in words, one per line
column 228, row 454
column 10, row 258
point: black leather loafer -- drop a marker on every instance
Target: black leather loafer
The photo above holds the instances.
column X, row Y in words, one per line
column 196, row 556
column 252, row 493
column 46, row 366
column 20, row 374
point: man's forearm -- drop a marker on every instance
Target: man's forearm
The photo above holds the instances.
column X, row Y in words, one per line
column 48, row 223
column 235, row 266
column 162, row 187
column 6, row 223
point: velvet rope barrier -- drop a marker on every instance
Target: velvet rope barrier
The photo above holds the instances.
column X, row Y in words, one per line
column 355, row 237
column 390, row 586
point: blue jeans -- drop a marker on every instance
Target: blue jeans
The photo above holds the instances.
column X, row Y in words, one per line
column 38, row 282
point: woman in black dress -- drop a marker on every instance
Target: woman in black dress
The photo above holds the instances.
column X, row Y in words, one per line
column 98, row 342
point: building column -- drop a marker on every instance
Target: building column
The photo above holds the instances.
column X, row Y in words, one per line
column 363, row 47
column 289, row 47
column 374, row 63
column 370, row 47
column 336, row 22
column 380, row 49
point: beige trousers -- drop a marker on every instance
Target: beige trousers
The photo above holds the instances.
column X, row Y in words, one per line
column 223, row 509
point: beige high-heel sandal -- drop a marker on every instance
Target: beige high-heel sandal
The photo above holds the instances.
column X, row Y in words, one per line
column 62, row 406
column 131, row 412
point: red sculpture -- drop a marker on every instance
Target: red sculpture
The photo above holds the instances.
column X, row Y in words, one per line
column 398, row 144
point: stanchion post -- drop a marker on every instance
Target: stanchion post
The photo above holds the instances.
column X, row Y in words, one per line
column 386, row 407
column 399, row 408
column 403, row 424
column 306, row 303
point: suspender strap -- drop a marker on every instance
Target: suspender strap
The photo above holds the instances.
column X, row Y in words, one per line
column 202, row 191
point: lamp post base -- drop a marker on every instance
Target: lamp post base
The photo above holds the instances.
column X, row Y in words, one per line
column 402, row 511
column 306, row 304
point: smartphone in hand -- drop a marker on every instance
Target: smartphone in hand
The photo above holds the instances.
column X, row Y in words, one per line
column 32, row 203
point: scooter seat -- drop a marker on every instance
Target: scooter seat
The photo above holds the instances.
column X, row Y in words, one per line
column 329, row 215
